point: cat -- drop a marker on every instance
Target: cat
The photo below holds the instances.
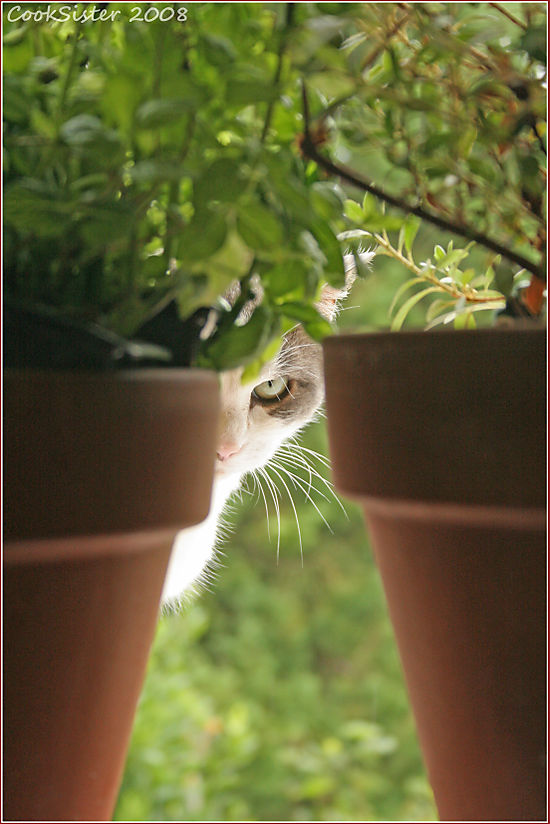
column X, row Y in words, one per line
column 257, row 419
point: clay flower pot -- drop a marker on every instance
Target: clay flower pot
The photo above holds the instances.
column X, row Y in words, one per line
column 100, row 471
column 441, row 437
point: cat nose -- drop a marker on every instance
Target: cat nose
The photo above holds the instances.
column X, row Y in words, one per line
column 225, row 450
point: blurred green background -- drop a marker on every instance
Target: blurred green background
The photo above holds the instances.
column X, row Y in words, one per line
column 279, row 695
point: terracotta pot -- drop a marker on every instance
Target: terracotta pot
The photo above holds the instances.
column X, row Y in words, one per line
column 100, row 472
column 441, row 437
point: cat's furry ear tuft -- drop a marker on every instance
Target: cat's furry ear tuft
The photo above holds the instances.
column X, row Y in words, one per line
column 329, row 303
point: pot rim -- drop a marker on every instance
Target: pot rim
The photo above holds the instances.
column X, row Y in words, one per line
column 522, row 327
column 454, row 418
column 85, row 547
column 101, row 453
column 138, row 374
column 480, row 515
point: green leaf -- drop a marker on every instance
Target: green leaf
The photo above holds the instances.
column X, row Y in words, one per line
column 401, row 239
column 318, row 329
column 90, row 182
column 370, row 206
column 231, row 262
column 203, row 237
column 259, row 227
column 315, row 325
column 42, row 124
column 294, row 278
column 465, row 276
column 465, row 320
column 438, row 306
column 101, row 225
column 466, row 141
column 332, row 84
column 303, row 313
column 154, row 171
column 401, row 291
column 534, row 42
column 451, row 258
column 447, row 317
column 326, row 200
column 120, row 98
column 247, row 84
column 252, row 370
column 155, row 113
column 241, row 344
column 410, row 229
column 32, row 209
column 17, row 54
column 15, row 36
column 354, row 211
column 83, row 130
column 221, row 180
column 219, row 50
column 408, row 305
column 331, row 249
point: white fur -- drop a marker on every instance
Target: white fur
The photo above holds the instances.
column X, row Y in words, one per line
column 258, row 436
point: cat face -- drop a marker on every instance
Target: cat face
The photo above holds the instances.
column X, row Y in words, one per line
column 257, row 417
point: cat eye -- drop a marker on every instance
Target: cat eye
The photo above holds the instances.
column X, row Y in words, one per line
column 274, row 390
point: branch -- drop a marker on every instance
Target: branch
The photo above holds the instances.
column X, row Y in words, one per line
column 309, row 149
column 454, row 289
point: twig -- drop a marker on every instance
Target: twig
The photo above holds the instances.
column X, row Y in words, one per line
column 310, row 150
column 469, row 294
column 539, row 138
column 377, row 51
column 509, row 15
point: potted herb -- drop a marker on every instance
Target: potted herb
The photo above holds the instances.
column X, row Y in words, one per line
column 142, row 178
column 440, row 434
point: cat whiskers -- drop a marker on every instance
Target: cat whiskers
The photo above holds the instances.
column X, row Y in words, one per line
column 274, row 492
column 300, row 449
column 297, row 482
column 259, row 487
column 272, row 464
column 293, row 452
column 293, row 456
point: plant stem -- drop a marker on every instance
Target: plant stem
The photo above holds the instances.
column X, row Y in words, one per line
column 68, row 77
column 279, row 68
column 470, row 295
column 173, row 194
column 509, row 15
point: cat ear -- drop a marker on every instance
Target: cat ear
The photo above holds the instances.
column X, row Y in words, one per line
column 329, row 303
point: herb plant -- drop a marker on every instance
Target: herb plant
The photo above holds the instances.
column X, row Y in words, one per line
column 151, row 163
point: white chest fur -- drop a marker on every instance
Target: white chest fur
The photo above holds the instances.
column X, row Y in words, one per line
column 194, row 548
